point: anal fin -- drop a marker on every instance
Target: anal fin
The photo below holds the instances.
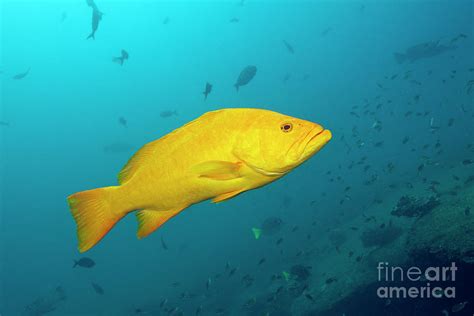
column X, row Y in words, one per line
column 226, row 196
column 150, row 220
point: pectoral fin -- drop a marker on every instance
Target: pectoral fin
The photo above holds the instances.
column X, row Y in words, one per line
column 226, row 196
column 150, row 220
column 218, row 170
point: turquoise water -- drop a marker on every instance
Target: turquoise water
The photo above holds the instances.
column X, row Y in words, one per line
column 61, row 133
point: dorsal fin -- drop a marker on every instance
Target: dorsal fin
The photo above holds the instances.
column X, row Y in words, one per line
column 135, row 162
column 148, row 150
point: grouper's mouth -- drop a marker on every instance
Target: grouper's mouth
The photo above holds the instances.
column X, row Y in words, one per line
column 314, row 141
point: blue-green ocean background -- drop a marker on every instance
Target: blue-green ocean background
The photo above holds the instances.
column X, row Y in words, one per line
column 66, row 110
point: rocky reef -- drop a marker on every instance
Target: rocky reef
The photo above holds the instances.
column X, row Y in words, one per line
column 381, row 235
column 446, row 233
column 46, row 303
column 418, row 231
column 301, row 272
column 410, row 206
column 337, row 237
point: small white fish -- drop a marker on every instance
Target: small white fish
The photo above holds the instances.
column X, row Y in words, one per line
column 432, row 126
column 376, row 124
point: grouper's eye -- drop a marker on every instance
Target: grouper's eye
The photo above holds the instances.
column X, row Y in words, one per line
column 286, row 127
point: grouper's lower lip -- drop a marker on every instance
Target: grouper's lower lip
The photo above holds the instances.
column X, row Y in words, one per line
column 318, row 140
column 323, row 134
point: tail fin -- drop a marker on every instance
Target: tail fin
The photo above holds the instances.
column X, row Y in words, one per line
column 236, row 87
column 91, row 35
column 257, row 232
column 95, row 215
column 118, row 60
column 400, row 58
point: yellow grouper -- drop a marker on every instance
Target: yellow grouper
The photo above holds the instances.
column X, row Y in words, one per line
column 216, row 156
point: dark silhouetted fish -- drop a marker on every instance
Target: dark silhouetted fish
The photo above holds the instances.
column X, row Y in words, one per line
column 92, row 4
column 309, row 297
column 118, row 148
column 246, row 75
column 3, row 123
column 420, row 51
column 163, row 244
column 460, row 36
column 96, row 17
column 121, row 59
column 331, row 280
column 232, row 271
column 458, row 307
column 46, row 304
column 207, row 90
column 84, row 262
column 166, row 20
column 63, row 16
column 123, row 121
column 234, row 20
column 168, row 113
column 289, row 47
column 378, row 144
column 470, row 86
column 270, row 226
column 199, row 310
column 326, row 31
column 354, row 114
column 163, row 302
column 97, row 288
column 21, row 75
